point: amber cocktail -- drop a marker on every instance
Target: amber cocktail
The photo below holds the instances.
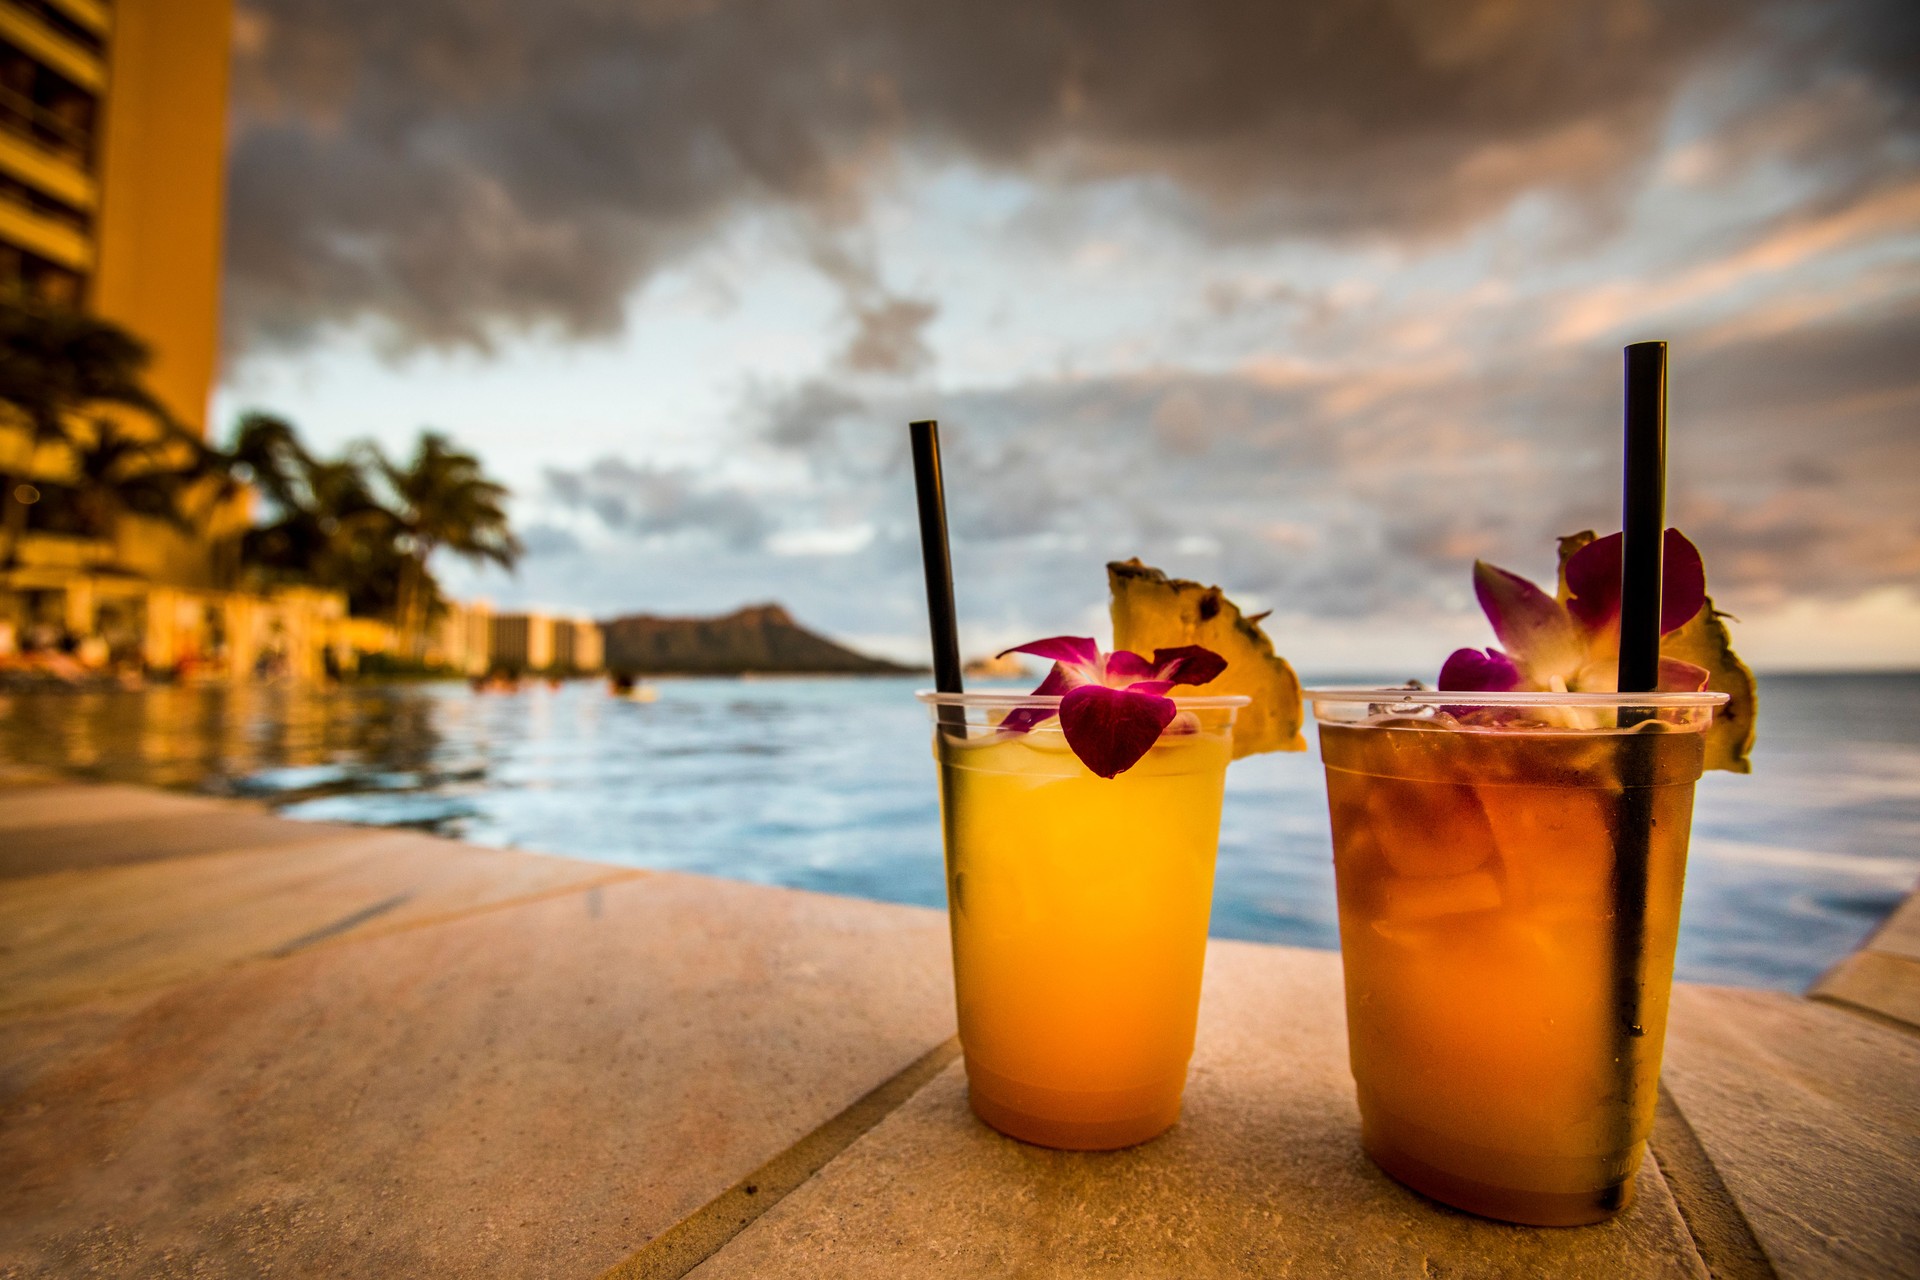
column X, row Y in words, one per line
column 1509, row 870
column 1079, row 909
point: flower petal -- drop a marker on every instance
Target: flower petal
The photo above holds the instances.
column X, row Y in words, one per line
column 1075, row 651
column 1477, row 671
column 1683, row 582
column 1021, row 719
column 1592, row 575
column 1110, row 729
column 1187, row 664
column 1079, row 666
column 1124, row 667
column 1593, row 582
column 1532, row 626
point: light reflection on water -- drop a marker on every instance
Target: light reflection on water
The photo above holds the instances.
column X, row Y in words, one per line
column 828, row 785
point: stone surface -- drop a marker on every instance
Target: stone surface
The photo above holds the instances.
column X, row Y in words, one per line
column 533, row 1090
column 75, row 845
column 77, row 935
column 1262, row 1177
column 1812, row 1117
column 1876, row 981
column 1883, row 976
column 1899, row 934
column 32, row 804
column 236, row 1045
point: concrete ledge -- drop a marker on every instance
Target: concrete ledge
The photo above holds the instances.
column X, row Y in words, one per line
column 535, row 1090
column 36, row 802
column 72, row 936
column 76, row 846
column 1263, row 1176
column 1877, row 982
column 236, row 1045
column 1883, row 976
column 1812, row 1118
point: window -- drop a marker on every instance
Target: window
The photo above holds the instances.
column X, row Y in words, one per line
column 44, row 205
column 54, row 16
column 39, row 103
column 34, row 276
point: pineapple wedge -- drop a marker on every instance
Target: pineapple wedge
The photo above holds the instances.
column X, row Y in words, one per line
column 1152, row 611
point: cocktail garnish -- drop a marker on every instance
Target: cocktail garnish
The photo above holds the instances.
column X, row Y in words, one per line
column 1702, row 641
column 1113, row 706
column 1151, row 610
column 1570, row 642
column 1572, row 645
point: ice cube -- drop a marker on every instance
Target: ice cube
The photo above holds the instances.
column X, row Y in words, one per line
column 1423, row 900
column 1428, row 828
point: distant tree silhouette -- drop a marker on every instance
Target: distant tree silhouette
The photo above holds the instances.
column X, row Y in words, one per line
column 364, row 524
column 324, row 523
column 63, row 374
column 444, row 500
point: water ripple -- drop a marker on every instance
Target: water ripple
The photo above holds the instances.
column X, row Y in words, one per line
column 828, row 785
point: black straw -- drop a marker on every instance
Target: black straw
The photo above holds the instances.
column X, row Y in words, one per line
column 925, row 437
column 1643, row 517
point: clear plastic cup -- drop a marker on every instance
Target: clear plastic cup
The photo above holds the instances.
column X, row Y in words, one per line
column 1509, row 870
column 1079, row 909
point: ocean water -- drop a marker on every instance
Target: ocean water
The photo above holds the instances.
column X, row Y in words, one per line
column 829, row 785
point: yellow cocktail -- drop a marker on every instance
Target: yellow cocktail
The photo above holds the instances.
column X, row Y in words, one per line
column 1079, row 910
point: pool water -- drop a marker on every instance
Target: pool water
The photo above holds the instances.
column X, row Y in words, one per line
column 829, row 785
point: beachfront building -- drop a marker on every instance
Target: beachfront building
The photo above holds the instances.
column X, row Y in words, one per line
column 520, row 642
column 578, row 645
column 462, row 638
column 113, row 123
column 112, row 195
column 540, row 643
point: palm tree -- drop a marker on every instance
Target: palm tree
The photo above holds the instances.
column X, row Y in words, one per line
column 266, row 452
column 325, row 523
column 121, row 474
column 444, row 500
column 55, row 365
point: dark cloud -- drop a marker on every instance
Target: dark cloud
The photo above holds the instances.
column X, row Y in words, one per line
column 887, row 328
column 540, row 539
column 451, row 168
column 1796, row 457
column 1352, row 493
column 804, row 417
column 649, row 501
column 1359, row 496
column 888, row 337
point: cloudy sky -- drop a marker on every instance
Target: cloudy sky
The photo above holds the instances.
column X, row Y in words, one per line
column 1319, row 301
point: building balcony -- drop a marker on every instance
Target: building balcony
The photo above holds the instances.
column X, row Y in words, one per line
column 63, row 552
column 90, row 15
column 33, row 35
column 56, row 174
column 55, row 240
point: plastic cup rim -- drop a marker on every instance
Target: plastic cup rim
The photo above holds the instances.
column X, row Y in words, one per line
column 1466, row 698
column 995, row 701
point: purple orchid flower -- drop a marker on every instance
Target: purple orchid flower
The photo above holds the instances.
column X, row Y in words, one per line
column 1113, row 706
column 1574, row 647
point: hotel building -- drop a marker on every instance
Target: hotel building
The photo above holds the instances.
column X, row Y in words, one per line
column 113, row 127
column 113, row 136
column 113, row 133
